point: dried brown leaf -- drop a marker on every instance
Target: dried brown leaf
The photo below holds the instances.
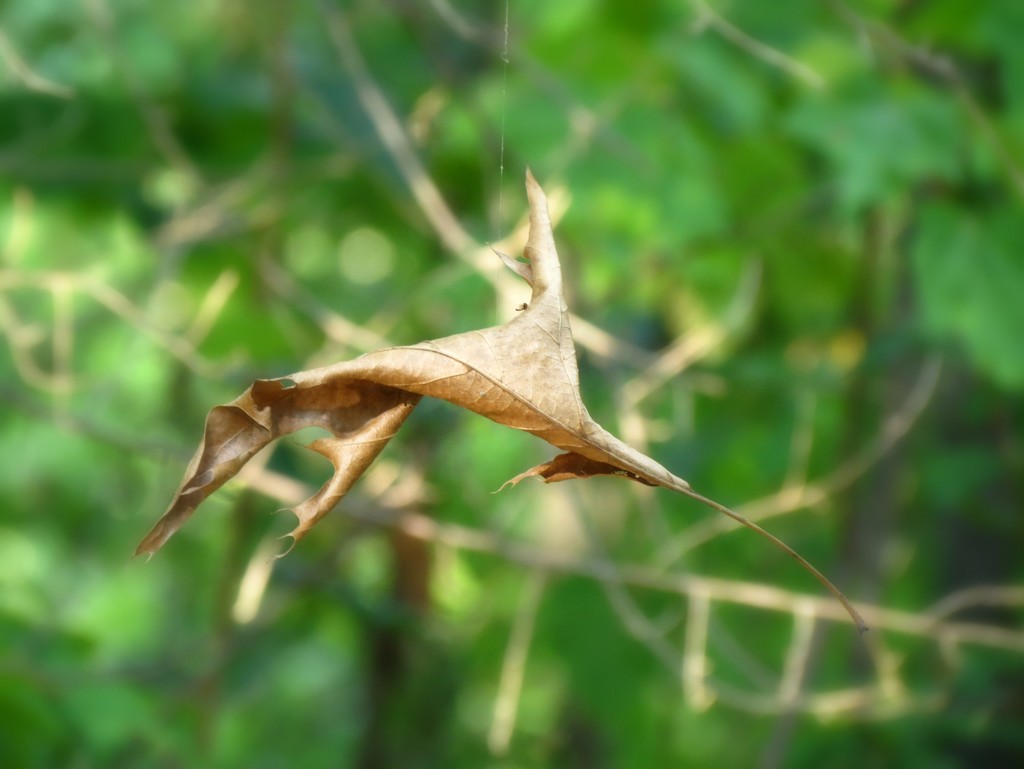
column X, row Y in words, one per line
column 522, row 374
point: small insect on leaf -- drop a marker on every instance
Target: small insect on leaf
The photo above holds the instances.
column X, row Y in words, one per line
column 521, row 307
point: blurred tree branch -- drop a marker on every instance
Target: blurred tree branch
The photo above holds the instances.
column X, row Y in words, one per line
column 28, row 77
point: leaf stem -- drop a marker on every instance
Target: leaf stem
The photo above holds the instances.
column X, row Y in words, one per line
column 854, row 614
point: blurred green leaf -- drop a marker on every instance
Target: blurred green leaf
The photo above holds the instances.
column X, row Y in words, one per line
column 969, row 273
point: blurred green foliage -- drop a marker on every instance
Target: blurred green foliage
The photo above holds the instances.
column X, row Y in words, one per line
column 821, row 199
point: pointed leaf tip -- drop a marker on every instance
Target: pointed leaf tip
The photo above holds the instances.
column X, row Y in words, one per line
column 522, row 269
column 535, row 193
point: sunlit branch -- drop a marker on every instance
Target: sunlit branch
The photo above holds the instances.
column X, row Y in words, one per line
column 795, row 497
column 513, row 665
column 709, row 19
column 752, row 594
column 28, row 77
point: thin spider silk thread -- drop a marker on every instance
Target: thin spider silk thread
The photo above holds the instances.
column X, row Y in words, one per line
column 501, row 151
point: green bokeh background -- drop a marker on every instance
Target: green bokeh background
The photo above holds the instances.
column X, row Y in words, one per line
column 823, row 199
